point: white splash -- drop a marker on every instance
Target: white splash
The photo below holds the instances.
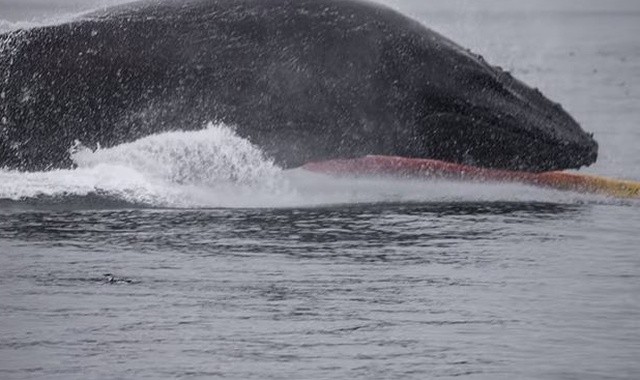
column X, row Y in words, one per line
column 212, row 157
column 214, row 167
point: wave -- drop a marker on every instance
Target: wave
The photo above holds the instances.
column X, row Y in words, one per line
column 210, row 167
column 215, row 168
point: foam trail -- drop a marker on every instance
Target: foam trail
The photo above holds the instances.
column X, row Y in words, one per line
column 318, row 189
column 214, row 167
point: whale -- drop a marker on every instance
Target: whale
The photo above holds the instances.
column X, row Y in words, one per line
column 303, row 80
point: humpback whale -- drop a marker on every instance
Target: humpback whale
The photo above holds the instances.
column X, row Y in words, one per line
column 304, row 80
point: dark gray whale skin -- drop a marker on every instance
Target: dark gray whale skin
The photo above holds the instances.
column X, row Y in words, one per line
column 304, row 80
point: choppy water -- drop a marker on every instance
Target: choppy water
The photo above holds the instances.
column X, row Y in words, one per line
column 152, row 261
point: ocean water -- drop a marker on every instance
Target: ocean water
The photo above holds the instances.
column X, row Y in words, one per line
column 191, row 255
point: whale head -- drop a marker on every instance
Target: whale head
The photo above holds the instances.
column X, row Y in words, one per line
column 469, row 112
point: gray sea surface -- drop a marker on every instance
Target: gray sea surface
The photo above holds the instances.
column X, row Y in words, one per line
column 341, row 279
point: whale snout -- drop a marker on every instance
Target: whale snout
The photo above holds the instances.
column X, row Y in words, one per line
column 496, row 121
column 550, row 137
column 573, row 149
column 503, row 144
column 575, row 155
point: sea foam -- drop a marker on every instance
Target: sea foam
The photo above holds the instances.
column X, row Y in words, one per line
column 214, row 167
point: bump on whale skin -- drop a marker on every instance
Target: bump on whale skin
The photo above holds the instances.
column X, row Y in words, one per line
column 304, row 80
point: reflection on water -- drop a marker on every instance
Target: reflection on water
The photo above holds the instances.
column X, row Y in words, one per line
column 488, row 289
column 289, row 231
